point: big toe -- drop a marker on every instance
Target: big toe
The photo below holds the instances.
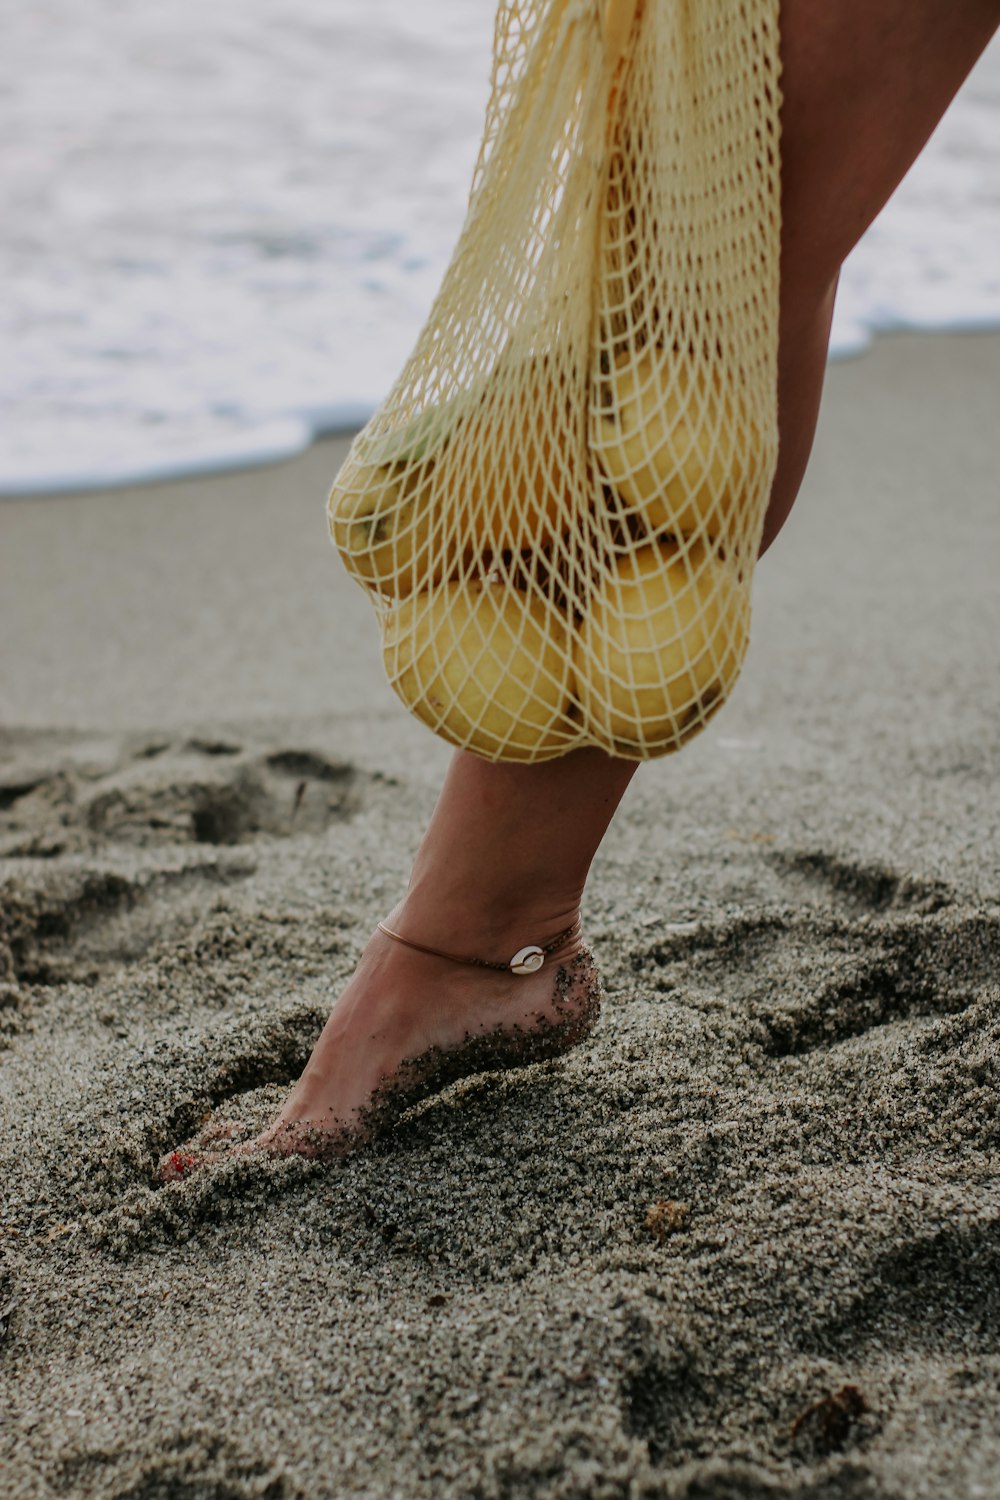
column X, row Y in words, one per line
column 177, row 1165
column 216, row 1142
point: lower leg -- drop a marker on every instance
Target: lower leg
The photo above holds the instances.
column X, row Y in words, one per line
column 508, row 849
column 503, row 864
column 803, row 340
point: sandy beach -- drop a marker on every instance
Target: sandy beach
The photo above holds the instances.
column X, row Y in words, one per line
column 744, row 1242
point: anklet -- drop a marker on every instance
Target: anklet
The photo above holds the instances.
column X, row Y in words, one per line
column 525, row 961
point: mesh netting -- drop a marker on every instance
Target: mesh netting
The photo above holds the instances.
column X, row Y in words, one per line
column 558, row 507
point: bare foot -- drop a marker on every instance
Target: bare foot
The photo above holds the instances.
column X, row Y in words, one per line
column 405, row 1026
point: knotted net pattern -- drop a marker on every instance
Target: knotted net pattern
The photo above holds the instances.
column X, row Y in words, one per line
column 558, row 507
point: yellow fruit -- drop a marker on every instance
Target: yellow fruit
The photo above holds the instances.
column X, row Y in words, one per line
column 482, row 473
column 509, row 460
column 380, row 520
column 659, row 648
column 672, row 448
column 484, row 668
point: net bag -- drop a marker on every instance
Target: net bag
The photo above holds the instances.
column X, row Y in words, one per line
column 558, row 507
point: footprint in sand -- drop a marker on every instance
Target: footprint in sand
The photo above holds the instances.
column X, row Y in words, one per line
column 160, row 792
column 184, row 1465
column 933, row 1289
column 856, row 887
column 886, row 948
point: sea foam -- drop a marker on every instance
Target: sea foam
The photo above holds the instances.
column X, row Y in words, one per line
column 225, row 224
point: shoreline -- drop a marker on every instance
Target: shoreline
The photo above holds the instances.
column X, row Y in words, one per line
column 291, row 434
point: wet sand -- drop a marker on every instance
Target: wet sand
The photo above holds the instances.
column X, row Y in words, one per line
column 744, row 1242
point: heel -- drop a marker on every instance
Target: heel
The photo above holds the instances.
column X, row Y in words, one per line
column 579, row 991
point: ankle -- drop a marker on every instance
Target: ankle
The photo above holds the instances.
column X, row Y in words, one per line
column 475, row 925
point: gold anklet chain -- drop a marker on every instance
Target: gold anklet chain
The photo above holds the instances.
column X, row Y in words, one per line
column 525, row 961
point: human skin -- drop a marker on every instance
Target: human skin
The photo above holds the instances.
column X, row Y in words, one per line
column 505, row 858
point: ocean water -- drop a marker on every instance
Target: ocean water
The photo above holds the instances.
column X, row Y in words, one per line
column 224, row 224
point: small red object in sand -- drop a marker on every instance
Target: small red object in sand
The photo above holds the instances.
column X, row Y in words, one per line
column 179, row 1162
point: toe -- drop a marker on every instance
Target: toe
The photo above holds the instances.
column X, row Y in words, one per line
column 177, row 1165
column 220, row 1133
column 306, row 1139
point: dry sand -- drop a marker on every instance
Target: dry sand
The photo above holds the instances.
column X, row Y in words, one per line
column 745, row 1242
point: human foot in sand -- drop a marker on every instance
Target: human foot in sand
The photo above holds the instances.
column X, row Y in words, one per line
column 407, row 1024
column 502, row 865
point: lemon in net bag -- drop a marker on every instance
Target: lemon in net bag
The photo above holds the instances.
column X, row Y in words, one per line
column 557, row 509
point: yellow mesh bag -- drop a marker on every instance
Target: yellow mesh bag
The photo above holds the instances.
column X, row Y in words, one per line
column 558, row 507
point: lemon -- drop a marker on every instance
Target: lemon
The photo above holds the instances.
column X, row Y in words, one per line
column 659, row 648
column 383, row 526
column 675, row 451
column 486, row 667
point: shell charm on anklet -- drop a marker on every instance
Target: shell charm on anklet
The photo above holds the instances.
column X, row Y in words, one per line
column 527, row 961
